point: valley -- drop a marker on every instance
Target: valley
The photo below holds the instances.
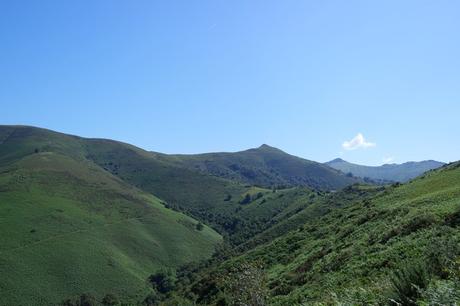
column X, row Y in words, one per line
column 97, row 218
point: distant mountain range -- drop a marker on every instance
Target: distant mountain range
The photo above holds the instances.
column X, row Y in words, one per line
column 388, row 172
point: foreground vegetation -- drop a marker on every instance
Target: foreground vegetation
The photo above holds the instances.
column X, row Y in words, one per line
column 400, row 246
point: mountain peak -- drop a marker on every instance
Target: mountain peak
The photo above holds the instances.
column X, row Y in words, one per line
column 337, row 160
column 266, row 146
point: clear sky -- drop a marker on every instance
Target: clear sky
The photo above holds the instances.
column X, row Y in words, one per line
column 367, row 81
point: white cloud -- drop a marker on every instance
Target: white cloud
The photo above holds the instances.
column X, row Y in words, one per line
column 389, row 159
column 357, row 142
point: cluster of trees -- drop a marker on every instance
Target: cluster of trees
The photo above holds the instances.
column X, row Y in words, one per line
column 90, row 300
column 162, row 283
column 248, row 198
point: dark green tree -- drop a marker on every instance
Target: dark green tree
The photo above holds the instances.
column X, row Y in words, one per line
column 110, row 300
column 163, row 282
column 246, row 199
column 87, row 300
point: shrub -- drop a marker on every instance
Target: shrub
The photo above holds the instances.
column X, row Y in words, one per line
column 68, row 302
column 151, row 299
column 441, row 293
column 246, row 285
column 408, row 281
column 199, row 226
column 357, row 297
column 246, row 199
column 163, row 282
column 110, row 300
column 453, row 220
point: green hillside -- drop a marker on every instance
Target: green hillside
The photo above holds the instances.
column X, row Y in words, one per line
column 99, row 216
column 70, row 227
column 216, row 201
column 389, row 172
column 372, row 251
column 265, row 166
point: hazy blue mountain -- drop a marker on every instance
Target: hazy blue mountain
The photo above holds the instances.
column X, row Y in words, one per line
column 388, row 172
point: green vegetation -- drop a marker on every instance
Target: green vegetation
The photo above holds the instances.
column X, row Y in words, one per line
column 92, row 221
column 69, row 227
column 265, row 166
column 399, row 245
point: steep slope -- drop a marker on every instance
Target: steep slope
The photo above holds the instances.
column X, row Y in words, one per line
column 69, row 227
column 218, row 202
column 369, row 252
column 265, row 166
column 237, row 211
column 304, row 208
column 388, row 172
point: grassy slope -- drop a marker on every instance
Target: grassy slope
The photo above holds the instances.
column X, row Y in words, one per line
column 200, row 195
column 359, row 245
column 213, row 200
column 265, row 166
column 70, row 227
column 351, row 251
column 307, row 206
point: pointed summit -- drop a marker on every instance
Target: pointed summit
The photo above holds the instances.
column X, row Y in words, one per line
column 266, row 146
column 337, row 160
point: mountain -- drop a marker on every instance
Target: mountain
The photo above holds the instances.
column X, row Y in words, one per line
column 388, row 172
column 400, row 243
column 265, row 166
column 71, row 227
column 98, row 216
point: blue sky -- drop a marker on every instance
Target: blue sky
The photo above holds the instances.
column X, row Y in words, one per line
column 199, row 76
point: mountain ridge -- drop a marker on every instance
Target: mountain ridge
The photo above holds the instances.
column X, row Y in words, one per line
column 265, row 166
column 387, row 172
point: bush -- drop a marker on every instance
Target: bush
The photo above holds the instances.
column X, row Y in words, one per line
column 441, row 254
column 110, row 300
column 151, row 299
column 163, row 282
column 246, row 285
column 199, row 226
column 408, row 282
column 441, row 293
column 246, row 199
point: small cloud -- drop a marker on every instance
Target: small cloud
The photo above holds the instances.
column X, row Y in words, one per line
column 357, row 142
column 388, row 160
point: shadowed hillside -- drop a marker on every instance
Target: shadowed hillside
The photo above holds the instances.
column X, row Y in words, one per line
column 265, row 166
